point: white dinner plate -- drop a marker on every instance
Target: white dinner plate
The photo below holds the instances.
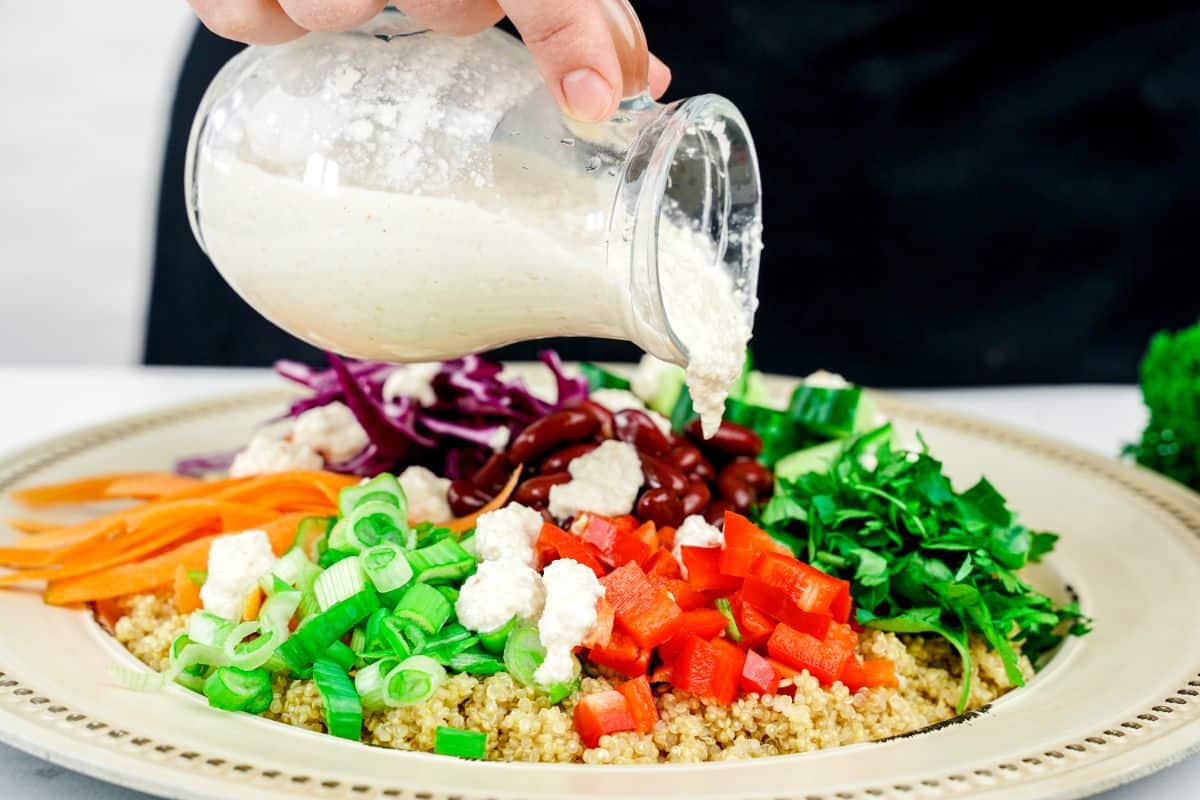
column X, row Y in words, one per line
column 1109, row 707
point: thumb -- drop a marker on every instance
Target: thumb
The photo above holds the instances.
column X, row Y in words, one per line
column 591, row 53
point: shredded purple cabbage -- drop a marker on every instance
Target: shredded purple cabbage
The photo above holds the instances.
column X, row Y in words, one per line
column 453, row 436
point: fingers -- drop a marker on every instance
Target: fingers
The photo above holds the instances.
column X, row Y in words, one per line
column 331, row 15
column 660, row 77
column 457, row 17
column 578, row 46
column 249, row 21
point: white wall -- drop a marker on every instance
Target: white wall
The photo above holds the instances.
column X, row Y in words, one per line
column 84, row 93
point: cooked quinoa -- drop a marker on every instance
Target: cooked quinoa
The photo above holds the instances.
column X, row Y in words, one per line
column 522, row 726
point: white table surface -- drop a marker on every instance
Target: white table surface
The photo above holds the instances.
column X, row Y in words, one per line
column 42, row 401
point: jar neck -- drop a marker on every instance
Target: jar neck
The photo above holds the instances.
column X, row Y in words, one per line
column 691, row 174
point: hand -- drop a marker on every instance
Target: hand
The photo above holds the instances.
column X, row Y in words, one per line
column 589, row 51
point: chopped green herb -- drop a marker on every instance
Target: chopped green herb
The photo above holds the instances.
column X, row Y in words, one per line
column 922, row 557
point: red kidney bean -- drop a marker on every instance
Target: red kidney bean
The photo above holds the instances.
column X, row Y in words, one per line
column 639, row 430
column 660, row 473
column 602, row 415
column 466, row 498
column 730, row 439
column 741, row 481
column 686, row 456
column 715, row 513
column 536, row 491
column 559, row 459
column 661, row 507
column 703, row 470
column 568, row 425
column 696, row 499
column 494, row 473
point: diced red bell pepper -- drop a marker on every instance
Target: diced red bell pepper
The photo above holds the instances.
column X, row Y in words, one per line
column 704, row 622
column 779, row 606
column 783, row 669
column 872, row 672
column 663, row 563
column 626, row 522
column 809, row 589
column 758, row 675
column 731, row 660
column 842, row 605
column 644, row 610
column 742, row 533
column 600, row 714
column 693, row 667
column 648, row 533
column 736, row 561
column 666, row 537
column 683, row 593
column 881, row 672
column 853, row 675
column 617, row 542
column 753, row 623
column 554, row 543
column 703, row 568
column 602, row 631
column 641, row 703
column 824, row 660
column 621, row 654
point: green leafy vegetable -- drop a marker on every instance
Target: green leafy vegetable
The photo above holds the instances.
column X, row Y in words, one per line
column 1170, row 378
column 922, row 557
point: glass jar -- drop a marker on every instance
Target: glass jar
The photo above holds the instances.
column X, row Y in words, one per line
column 396, row 194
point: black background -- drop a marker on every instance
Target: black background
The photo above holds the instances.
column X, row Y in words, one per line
column 954, row 193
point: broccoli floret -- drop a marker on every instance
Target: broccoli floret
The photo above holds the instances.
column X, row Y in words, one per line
column 1170, row 379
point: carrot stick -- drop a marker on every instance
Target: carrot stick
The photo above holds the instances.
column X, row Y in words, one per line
column 464, row 524
column 254, row 602
column 31, row 525
column 27, row 553
column 150, row 487
column 84, row 490
column 187, row 593
column 158, row 571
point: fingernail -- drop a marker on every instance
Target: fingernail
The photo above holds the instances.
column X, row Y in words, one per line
column 589, row 97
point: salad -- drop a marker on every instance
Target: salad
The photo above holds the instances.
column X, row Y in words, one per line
column 435, row 557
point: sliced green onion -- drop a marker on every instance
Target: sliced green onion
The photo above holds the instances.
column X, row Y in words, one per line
column 233, row 689
column 192, row 677
column 311, row 530
column 205, row 627
column 493, row 641
column 341, row 654
column 358, row 643
column 394, row 639
column 561, row 691
column 339, row 700
column 332, row 555
column 449, row 642
column 475, row 662
column 371, row 683
column 425, row 606
column 197, row 576
column 460, row 743
column 523, row 653
column 370, row 523
column 731, row 626
column 383, row 488
column 451, row 593
column 427, row 533
column 293, row 568
column 414, row 681
column 386, row 566
column 317, row 633
column 445, row 560
column 344, row 579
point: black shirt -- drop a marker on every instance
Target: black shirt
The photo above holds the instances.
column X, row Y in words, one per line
column 952, row 194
